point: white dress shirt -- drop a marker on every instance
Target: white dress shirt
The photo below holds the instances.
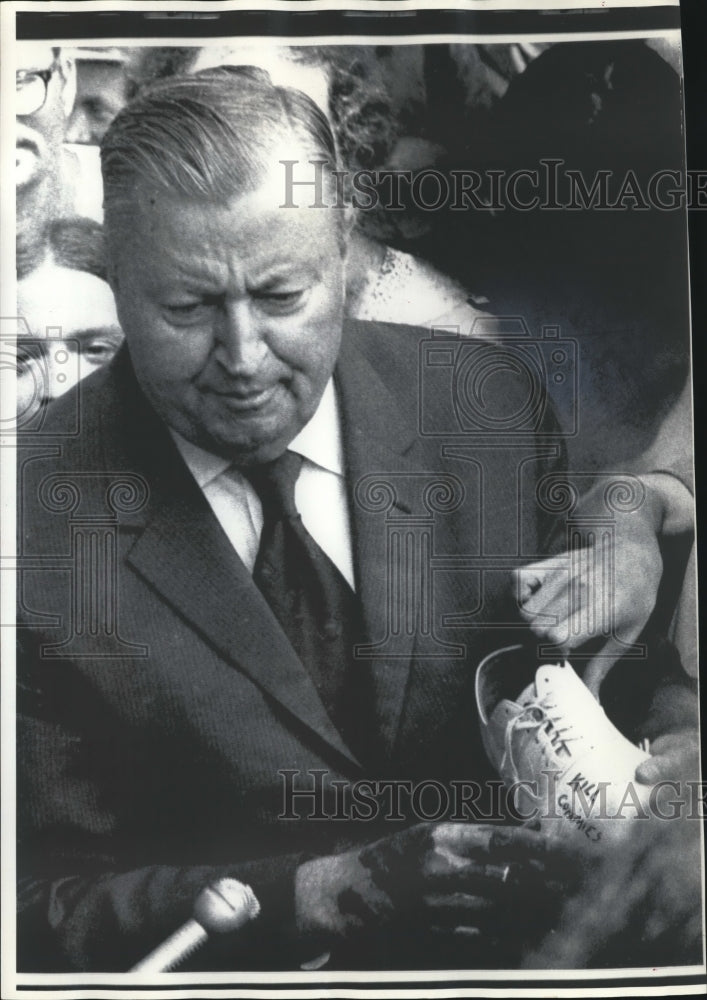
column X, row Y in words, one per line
column 320, row 491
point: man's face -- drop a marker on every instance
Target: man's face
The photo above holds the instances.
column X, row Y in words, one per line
column 39, row 134
column 233, row 315
column 101, row 91
column 73, row 323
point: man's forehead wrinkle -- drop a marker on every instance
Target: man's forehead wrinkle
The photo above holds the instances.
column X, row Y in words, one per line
column 213, row 243
column 180, row 266
column 179, row 248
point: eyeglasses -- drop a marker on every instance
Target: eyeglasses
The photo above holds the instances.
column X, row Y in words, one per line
column 31, row 89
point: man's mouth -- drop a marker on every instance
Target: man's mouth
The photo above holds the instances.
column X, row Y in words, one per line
column 246, row 401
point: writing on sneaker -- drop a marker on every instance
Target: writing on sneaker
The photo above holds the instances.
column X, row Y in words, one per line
column 553, row 744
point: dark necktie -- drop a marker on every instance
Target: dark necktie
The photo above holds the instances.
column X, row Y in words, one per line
column 310, row 598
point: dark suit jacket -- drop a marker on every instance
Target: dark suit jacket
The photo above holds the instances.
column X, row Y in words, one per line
column 159, row 699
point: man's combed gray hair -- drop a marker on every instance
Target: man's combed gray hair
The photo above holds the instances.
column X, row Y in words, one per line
column 212, row 134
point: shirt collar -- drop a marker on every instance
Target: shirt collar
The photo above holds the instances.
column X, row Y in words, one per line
column 319, row 442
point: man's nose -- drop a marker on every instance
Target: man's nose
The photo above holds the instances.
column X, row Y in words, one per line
column 241, row 345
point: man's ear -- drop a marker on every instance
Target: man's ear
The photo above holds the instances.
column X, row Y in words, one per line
column 67, row 69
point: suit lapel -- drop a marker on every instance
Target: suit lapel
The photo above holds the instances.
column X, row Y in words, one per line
column 379, row 448
column 185, row 555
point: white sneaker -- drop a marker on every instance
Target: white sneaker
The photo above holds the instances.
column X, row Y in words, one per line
column 569, row 765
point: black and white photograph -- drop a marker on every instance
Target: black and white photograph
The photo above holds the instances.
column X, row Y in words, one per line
column 349, row 581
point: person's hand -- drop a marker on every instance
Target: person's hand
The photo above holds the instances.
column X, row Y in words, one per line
column 606, row 592
column 674, row 757
column 461, row 877
column 595, row 593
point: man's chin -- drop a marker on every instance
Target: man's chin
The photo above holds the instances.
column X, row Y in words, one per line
column 243, row 449
column 255, row 437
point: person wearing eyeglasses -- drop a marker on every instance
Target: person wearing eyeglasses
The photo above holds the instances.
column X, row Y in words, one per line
column 52, row 181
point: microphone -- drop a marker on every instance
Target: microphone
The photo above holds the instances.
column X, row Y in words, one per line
column 219, row 908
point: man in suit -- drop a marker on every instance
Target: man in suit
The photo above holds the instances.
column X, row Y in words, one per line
column 193, row 706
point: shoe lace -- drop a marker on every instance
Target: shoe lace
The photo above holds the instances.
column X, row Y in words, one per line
column 539, row 715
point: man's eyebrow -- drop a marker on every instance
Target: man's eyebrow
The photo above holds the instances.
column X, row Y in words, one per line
column 36, row 344
column 42, row 345
column 190, row 270
column 279, row 272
